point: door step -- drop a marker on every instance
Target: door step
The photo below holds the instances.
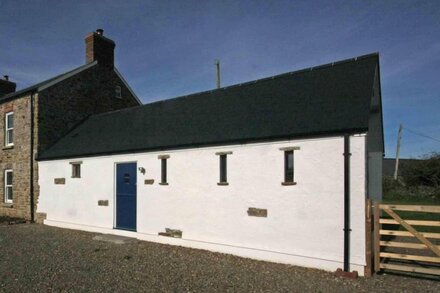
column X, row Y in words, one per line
column 115, row 239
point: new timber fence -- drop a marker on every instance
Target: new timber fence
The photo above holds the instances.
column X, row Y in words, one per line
column 406, row 238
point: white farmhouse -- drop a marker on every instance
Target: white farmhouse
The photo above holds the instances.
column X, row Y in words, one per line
column 277, row 169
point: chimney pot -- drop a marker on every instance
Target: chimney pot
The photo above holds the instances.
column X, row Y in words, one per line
column 100, row 31
column 6, row 77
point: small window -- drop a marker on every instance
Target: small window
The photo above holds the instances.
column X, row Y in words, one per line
column 8, row 186
column 223, row 157
column 118, row 92
column 9, row 129
column 163, row 166
column 76, row 169
column 288, row 166
column 163, row 179
column 223, row 169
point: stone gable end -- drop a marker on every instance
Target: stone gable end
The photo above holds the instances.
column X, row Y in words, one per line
column 57, row 109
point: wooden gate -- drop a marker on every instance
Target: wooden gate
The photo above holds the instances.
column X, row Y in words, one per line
column 399, row 246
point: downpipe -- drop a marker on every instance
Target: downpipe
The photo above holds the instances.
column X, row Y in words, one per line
column 347, row 228
column 346, row 270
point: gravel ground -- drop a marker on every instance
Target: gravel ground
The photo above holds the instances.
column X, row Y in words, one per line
column 41, row 258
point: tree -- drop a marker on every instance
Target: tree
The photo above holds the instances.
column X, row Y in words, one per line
column 425, row 172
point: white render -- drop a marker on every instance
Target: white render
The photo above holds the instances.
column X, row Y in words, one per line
column 304, row 224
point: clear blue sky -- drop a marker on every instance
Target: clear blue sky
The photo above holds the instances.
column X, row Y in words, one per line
column 167, row 48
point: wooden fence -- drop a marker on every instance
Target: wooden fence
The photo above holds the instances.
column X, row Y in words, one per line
column 424, row 255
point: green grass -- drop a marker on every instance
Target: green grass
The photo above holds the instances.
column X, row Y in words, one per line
column 416, row 201
column 407, row 200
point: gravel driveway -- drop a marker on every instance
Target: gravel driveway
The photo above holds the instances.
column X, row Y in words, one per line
column 41, row 258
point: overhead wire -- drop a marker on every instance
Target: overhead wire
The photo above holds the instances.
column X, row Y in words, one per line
column 421, row 134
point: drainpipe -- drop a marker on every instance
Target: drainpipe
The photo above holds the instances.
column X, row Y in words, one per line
column 31, row 185
column 347, row 229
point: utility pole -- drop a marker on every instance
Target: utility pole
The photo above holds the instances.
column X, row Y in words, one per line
column 217, row 65
column 399, row 137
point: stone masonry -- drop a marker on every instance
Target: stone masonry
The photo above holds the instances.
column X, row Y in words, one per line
column 57, row 109
column 16, row 158
column 66, row 104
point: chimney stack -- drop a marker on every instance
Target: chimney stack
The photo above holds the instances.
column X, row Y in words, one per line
column 6, row 86
column 100, row 48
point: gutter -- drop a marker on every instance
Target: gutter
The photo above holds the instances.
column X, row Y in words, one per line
column 43, row 157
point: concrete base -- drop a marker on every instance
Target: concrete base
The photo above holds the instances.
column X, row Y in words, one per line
column 116, row 239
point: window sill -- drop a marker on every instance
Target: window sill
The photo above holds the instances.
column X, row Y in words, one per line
column 8, row 147
column 75, row 177
column 8, row 205
column 288, row 183
column 165, row 183
column 223, row 183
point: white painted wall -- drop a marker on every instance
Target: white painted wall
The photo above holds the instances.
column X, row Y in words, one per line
column 304, row 224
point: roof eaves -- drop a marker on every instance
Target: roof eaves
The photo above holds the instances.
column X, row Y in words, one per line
column 126, row 85
column 341, row 132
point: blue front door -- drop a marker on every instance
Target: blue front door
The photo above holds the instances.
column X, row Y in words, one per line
column 126, row 196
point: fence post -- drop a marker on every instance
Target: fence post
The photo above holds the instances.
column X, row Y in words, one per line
column 368, row 240
column 376, row 237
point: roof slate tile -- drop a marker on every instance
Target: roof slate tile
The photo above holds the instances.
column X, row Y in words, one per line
column 334, row 98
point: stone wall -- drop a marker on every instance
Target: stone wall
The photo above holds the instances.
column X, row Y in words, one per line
column 66, row 104
column 16, row 158
column 57, row 110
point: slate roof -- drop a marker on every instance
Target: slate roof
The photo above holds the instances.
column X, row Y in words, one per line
column 37, row 86
column 329, row 99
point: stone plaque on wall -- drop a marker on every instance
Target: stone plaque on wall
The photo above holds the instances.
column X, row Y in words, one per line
column 103, row 203
column 255, row 212
column 60, row 180
column 171, row 233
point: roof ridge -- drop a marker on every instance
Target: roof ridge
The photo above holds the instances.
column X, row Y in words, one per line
column 318, row 67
